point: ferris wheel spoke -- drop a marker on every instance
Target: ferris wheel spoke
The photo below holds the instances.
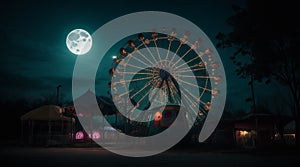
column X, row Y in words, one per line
column 189, row 67
column 202, row 93
column 168, row 52
column 190, row 94
column 146, row 85
column 187, row 92
column 197, row 86
column 140, row 45
column 192, row 76
column 198, row 100
column 168, row 86
column 126, row 92
column 175, row 54
column 181, row 58
column 145, row 57
column 146, row 94
column 158, row 54
column 202, row 102
column 173, row 97
column 187, row 83
column 139, row 60
column 134, row 73
column 138, row 67
column 171, row 81
column 191, row 70
column 150, row 53
column 156, row 83
column 131, row 111
column 190, row 100
column 173, row 90
column 187, row 62
column 133, row 80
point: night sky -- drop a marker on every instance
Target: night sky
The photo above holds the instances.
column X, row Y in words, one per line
column 35, row 59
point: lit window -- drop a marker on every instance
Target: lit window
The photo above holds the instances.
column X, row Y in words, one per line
column 244, row 133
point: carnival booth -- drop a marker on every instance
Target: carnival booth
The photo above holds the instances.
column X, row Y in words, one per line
column 46, row 125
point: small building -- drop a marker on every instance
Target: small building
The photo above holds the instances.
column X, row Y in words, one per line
column 46, row 126
column 289, row 133
column 259, row 129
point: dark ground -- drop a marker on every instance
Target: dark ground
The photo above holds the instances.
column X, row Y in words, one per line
column 95, row 156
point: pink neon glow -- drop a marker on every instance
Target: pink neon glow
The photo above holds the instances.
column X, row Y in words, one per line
column 96, row 135
column 79, row 135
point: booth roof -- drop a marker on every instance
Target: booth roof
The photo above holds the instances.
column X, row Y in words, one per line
column 46, row 112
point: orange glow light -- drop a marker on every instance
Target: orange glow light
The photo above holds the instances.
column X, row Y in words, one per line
column 243, row 133
column 157, row 116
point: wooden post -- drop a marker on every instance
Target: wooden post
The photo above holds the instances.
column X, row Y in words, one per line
column 32, row 129
column 72, row 129
column 22, row 132
column 49, row 131
column 62, row 127
column 62, row 136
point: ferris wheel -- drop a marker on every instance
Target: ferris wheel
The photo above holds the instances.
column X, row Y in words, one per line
column 153, row 65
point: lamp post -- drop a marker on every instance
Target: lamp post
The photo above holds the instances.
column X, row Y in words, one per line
column 57, row 94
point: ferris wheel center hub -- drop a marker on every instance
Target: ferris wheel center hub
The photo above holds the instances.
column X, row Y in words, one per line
column 164, row 74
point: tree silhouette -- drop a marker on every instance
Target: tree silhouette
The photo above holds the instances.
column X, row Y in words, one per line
column 265, row 37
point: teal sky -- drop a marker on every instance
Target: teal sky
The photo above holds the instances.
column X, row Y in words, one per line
column 35, row 58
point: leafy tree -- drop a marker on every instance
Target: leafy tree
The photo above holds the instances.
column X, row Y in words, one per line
column 266, row 36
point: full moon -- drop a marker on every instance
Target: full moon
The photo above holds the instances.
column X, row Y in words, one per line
column 79, row 42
